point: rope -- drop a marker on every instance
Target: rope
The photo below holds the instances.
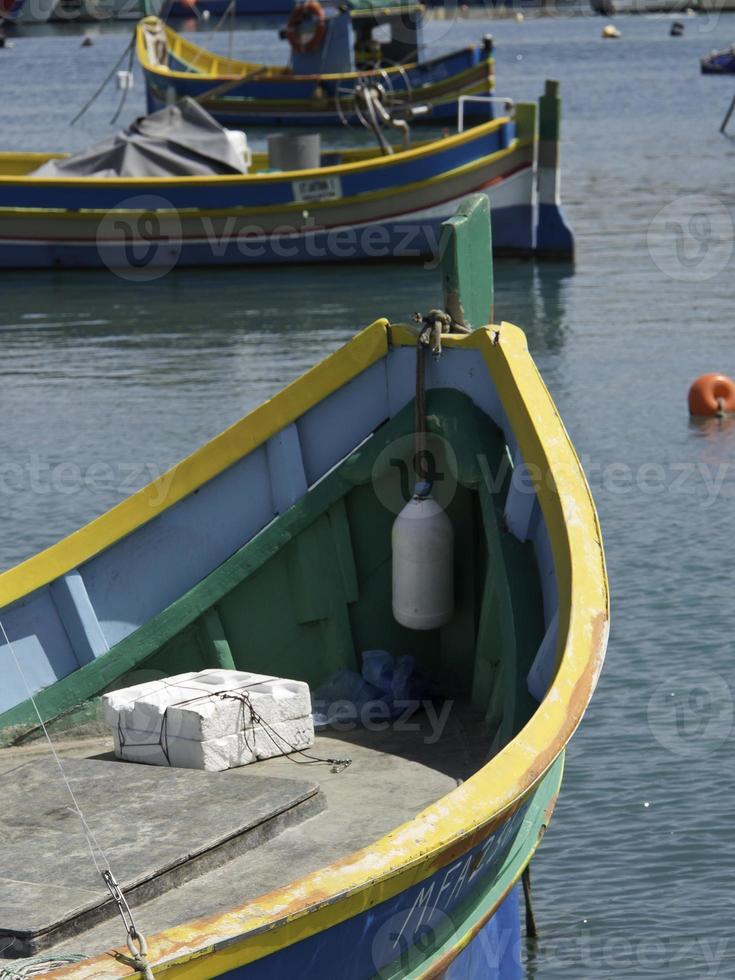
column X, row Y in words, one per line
column 99, row 91
column 246, row 726
column 126, row 88
column 140, row 960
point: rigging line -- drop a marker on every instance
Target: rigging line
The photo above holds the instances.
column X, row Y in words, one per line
column 99, row 91
column 126, row 89
column 139, row 954
column 91, row 840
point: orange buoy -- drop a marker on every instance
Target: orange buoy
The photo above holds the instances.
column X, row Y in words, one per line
column 712, row 395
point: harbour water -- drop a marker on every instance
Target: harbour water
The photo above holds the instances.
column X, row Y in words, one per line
column 105, row 383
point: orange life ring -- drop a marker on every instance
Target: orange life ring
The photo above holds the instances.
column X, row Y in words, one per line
column 712, row 394
column 309, row 10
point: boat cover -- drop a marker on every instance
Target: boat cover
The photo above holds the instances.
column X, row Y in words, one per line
column 182, row 140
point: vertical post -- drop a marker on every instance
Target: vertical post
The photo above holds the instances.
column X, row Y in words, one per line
column 215, row 640
column 553, row 237
column 531, row 928
column 726, row 120
column 467, row 263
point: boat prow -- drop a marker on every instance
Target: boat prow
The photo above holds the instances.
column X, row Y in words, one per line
column 271, row 551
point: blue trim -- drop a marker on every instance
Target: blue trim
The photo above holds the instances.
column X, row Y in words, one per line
column 245, row 192
column 285, row 89
column 403, row 238
column 554, row 237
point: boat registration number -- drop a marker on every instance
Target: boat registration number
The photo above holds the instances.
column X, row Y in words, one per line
column 317, row 189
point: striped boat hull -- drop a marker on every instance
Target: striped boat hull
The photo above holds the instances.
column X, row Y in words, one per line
column 386, row 209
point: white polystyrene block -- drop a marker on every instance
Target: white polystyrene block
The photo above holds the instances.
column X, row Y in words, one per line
column 283, row 737
column 281, row 700
column 117, row 701
column 262, row 699
column 213, row 719
column 214, row 755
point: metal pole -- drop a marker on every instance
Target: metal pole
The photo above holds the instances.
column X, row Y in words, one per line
column 726, row 120
column 531, row 929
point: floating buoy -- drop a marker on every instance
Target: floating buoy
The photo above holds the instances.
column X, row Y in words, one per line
column 712, row 395
column 610, row 30
column 423, row 563
column 125, row 80
column 677, row 29
column 519, row 17
column 87, row 41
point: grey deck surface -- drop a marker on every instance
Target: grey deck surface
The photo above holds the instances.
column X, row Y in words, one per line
column 393, row 776
column 157, row 827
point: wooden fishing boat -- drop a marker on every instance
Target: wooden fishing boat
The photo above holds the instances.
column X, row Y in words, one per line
column 359, row 205
column 316, row 87
column 269, row 549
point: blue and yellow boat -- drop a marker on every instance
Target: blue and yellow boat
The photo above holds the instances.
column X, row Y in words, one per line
column 331, row 50
column 358, row 205
column 269, row 549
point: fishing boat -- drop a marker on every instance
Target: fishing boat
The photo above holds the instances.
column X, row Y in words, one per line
column 719, row 62
column 274, row 548
column 177, row 204
column 332, row 48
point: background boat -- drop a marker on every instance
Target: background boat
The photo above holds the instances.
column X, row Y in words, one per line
column 719, row 62
column 360, row 204
column 316, row 87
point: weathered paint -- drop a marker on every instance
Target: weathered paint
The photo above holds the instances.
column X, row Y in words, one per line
column 418, row 848
column 467, row 269
column 240, row 93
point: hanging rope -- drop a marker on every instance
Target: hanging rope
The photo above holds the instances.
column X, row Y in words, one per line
column 128, row 50
column 135, row 940
column 126, row 89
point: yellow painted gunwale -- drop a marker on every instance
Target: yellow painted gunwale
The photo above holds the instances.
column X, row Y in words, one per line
column 202, row 949
column 414, row 154
column 220, row 69
column 295, row 207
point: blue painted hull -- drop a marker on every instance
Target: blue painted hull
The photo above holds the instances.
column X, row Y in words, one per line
column 385, row 208
column 292, row 100
column 512, row 230
column 719, row 62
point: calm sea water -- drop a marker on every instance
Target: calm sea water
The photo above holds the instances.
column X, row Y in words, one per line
column 106, row 383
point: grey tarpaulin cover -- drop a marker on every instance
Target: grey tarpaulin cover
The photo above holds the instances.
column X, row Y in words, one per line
column 180, row 141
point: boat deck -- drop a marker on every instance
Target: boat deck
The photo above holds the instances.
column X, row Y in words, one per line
column 212, row 840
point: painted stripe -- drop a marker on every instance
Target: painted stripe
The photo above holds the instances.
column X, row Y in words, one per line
column 411, row 156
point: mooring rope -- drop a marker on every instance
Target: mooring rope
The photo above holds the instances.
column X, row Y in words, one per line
column 136, row 942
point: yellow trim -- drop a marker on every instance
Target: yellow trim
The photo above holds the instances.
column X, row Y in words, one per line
column 221, row 69
column 197, row 469
column 206, row 948
column 297, row 207
column 426, row 148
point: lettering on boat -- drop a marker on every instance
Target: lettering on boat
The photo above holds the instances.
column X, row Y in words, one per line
column 437, row 896
column 317, row 189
